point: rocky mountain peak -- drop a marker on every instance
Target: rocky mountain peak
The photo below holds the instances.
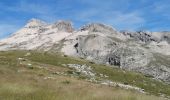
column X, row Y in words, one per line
column 65, row 26
column 98, row 27
column 34, row 23
column 143, row 36
column 166, row 36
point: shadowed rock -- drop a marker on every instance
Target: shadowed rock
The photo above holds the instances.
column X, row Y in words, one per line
column 64, row 26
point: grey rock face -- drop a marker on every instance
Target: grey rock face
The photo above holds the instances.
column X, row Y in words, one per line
column 166, row 37
column 141, row 36
column 147, row 37
column 42, row 29
column 126, row 56
column 159, row 72
column 64, row 26
column 96, row 27
column 106, row 50
column 88, row 46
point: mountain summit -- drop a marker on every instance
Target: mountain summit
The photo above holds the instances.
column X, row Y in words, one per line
column 65, row 26
column 34, row 23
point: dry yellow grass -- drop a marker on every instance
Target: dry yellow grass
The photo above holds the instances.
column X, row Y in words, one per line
column 28, row 84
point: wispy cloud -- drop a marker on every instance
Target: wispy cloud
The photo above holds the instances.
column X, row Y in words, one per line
column 117, row 18
column 9, row 26
column 6, row 29
column 121, row 14
column 27, row 7
column 128, row 21
column 162, row 8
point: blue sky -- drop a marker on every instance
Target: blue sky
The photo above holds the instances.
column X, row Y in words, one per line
column 152, row 15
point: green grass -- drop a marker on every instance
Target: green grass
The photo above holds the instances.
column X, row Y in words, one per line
column 132, row 78
column 29, row 83
column 135, row 79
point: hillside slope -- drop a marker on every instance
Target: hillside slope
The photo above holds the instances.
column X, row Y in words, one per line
column 30, row 75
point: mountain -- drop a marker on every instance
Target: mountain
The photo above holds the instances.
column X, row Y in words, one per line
column 141, row 51
column 36, row 34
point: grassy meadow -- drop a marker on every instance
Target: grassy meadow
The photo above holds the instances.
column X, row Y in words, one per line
column 40, row 82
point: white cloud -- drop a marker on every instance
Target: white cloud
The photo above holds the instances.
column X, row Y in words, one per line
column 131, row 20
column 24, row 6
column 118, row 19
column 31, row 8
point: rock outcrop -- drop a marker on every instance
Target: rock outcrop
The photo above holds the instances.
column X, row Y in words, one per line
column 35, row 23
column 142, row 36
column 64, row 26
column 97, row 27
